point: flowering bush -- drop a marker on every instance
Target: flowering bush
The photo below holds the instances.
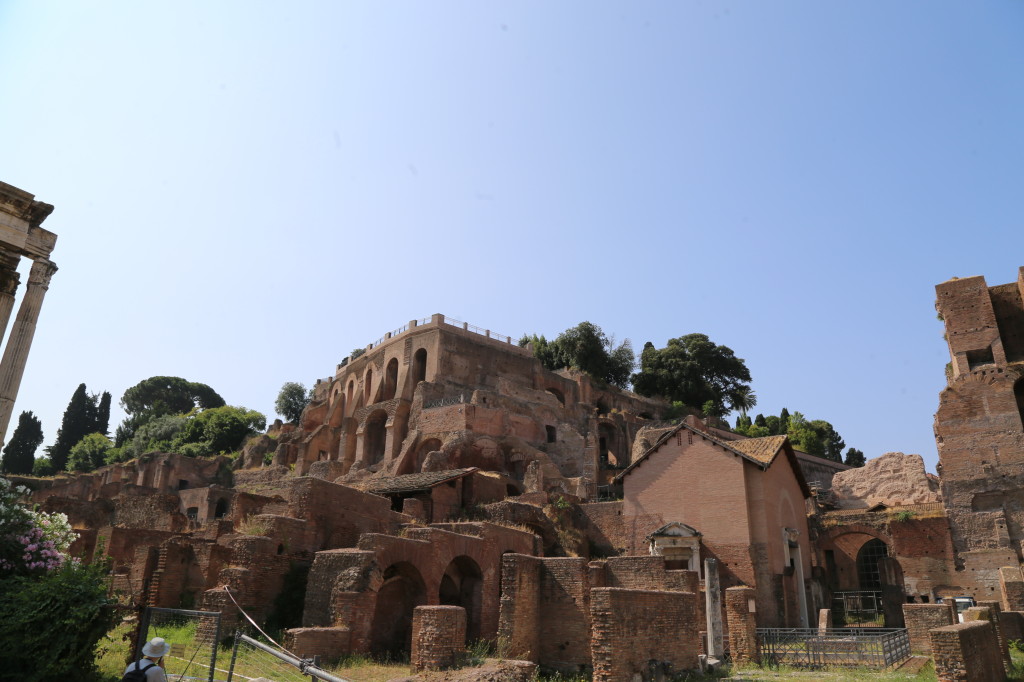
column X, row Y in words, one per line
column 30, row 541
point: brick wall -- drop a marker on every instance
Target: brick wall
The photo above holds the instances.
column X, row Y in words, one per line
column 742, row 624
column 602, row 522
column 518, row 624
column 327, row 643
column 921, row 619
column 967, row 652
column 633, row 628
column 438, row 637
column 1011, row 585
column 564, row 616
column 990, row 611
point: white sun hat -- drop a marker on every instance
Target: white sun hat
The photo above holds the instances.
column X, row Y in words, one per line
column 156, row 648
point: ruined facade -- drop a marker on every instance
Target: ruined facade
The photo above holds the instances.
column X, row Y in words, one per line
column 979, row 429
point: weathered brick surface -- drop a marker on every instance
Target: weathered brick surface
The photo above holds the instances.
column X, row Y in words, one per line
column 642, row 635
column 1011, row 584
column 742, row 624
column 438, row 637
column 327, row 643
column 990, row 611
column 1012, row 623
column 921, row 619
column 967, row 652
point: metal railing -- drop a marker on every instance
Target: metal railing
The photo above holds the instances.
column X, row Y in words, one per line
column 477, row 330
column 251, row 659
column 862, row 606
column 838, row 647
column 444, row 402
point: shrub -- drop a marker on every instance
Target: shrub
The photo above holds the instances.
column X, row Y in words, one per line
column 50, row 623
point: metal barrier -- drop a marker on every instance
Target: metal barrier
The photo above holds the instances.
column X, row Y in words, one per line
column 251, row 659
column 444, row 402
column 859, row 607
column 193, row 636
column 838, row 647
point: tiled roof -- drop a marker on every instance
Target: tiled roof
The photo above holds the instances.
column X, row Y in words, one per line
column 413, row 482
column 761, row 449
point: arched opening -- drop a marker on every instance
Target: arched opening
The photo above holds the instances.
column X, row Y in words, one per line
column 351, row 389
column 368, row 384
column 419, row 367
column 867, row 564
column 401, row 592
column 1018, row 393
column 428, row 446
column 391, row 379
column 221, row 510
column 461, row 585
column 558, row 394
column 375, row 437
column 610, row 453
column 511, row 490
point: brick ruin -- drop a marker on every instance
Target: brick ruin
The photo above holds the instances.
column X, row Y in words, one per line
column 444, row 467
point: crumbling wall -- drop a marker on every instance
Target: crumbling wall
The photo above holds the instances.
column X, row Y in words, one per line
column 643, row 635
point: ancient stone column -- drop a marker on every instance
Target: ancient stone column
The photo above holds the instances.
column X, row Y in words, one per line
column 12, row 367
column 713, row 597
column 9, row 280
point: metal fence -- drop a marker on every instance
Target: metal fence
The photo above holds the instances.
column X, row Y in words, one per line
column 860, row 607
column 252, row 659
column 193, row 636
column 839, row 647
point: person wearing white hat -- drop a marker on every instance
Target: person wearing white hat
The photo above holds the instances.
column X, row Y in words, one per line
column 150, row 663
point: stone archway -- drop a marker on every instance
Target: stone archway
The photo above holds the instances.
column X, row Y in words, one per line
column 391, row 379
column 461, row 585
column 401, row 591
column 375, row 437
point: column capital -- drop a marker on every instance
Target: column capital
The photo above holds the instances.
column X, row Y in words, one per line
column 40, row 274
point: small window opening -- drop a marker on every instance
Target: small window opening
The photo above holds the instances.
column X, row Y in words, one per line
column 979, row 358
column 182, row 484
column 552, row 434
column 192, row 513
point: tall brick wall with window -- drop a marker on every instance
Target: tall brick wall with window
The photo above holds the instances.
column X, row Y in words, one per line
column 641, row 634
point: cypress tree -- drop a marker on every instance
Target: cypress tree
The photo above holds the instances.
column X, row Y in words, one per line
column 102, row 424
column 79, row 418
column 784, row 421
column 20, row 454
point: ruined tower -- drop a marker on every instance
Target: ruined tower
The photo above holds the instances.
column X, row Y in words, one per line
column 979, row 427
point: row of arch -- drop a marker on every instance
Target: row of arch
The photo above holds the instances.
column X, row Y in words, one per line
column 403, row 589
column 384, row 390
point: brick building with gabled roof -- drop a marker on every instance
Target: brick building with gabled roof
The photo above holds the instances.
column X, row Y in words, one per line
column 745, row 497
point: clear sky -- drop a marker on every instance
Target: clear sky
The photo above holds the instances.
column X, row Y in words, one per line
column 246, row 191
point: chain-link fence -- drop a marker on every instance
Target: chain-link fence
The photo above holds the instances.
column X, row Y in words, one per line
column 193, row 636
column 252, row 659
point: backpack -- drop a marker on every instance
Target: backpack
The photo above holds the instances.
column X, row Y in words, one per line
column 137, row 675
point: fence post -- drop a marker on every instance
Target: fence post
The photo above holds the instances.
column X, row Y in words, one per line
column 213, row 647
column 234, row 654
column 141, row 640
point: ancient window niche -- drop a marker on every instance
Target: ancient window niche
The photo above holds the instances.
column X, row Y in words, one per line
column 980, row 358
column 679, row 544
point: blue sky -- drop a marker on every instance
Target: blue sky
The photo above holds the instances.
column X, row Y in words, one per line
column 246, row 191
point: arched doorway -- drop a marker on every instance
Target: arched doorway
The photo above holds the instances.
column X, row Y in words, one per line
column 221, row 510
column 868, row 575
column 391, row 379
column 1018, row 393
column 368, row 385
column 375, row 437
column 419, row 367
column 611, row 453
column 401, row 592
column 461, row 585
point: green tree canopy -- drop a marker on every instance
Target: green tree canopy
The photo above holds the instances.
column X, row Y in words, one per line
column 221, row 429
column 291, row 401
column 158, row 396
column 694, row 370
column 855, row 458
column 19, row 455
column 89, row 453
column 586, row 347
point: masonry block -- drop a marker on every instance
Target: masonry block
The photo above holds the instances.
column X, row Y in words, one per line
column 438, row 637
column 327, row 643
column 742, row 623
column 967, row 652
column 921, row 619
column 641, row 634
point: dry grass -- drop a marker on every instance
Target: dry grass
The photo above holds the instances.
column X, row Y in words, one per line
column 251, row 525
